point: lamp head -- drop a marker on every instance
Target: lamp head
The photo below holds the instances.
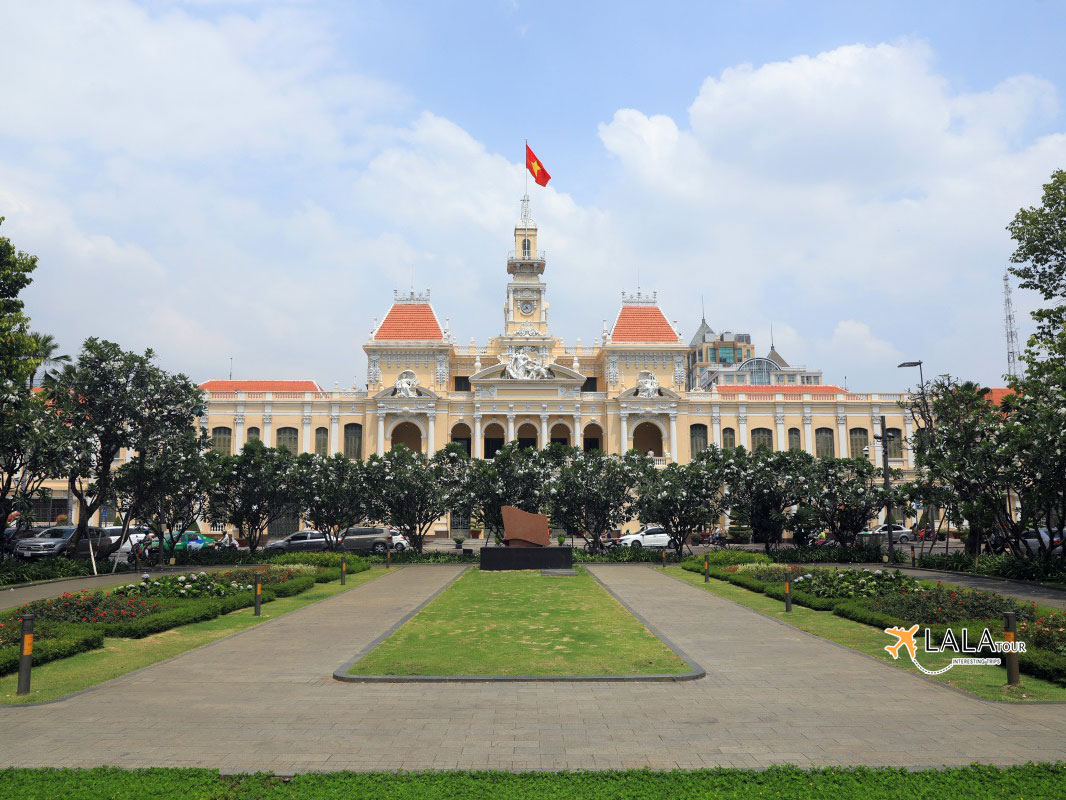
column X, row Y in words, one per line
column 910, row 364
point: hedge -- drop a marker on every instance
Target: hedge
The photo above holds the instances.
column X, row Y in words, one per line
column 14, row 571
column 806, row 599
column 59, row 641
column 190, row 611
column 1043, row 664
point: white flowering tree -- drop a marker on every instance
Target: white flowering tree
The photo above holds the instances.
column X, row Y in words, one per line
column 763, row 486
column 592, row 493
column 515, row 476
column 409, row 492
column 252, row 489
column 846, row 493
column 685, row 498
column 331, row 493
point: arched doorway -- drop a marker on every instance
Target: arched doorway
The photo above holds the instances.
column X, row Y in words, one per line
column 461, row 436
column 494, row 438
column 648, row 438
column 527, row 435
column 560, row 434
column 592, row 437
column 407, row 434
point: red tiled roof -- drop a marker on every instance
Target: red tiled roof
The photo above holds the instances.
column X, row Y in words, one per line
column 997, row 395
column 409, row 322
column 261, row 386
column 642, row 324
column 792, row 387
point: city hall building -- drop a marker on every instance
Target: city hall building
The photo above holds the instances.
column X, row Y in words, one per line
column 641, row 385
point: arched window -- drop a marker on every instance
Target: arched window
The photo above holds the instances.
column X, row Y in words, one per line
column 895, row 442
column 729, row 439
column 353, row 440
column 253, row 433
column 222, row 440
column 289, row 438
column 762, row 437
column 322, row 441
column 794, row 442
column 525, row 248
column 823, row 443
column 697, row 436
column 858, row 438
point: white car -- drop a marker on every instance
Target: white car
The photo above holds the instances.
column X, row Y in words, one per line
column 900, row 534
column 135, row 538
column 398, row 541
column 655, row 538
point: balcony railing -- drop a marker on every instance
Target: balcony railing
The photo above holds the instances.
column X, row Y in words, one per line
column 523, row 255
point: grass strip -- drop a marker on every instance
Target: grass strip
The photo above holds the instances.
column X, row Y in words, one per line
column 522, row 623
column 987, row 682
column 119, row 656
column 1030, row 781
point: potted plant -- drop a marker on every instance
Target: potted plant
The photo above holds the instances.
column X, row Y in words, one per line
column 561, row 538
column 459, row 539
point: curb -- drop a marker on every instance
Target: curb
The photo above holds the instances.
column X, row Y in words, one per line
column 695, row 670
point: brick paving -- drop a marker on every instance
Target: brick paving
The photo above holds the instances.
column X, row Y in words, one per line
column 264, row 700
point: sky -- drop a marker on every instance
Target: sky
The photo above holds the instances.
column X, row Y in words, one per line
column 252, row 180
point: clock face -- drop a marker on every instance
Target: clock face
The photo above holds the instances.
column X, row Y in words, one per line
column 526, row 307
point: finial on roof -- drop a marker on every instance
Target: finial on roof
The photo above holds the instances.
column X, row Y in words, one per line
column 640, row 299
column 410, row 297
column 771, row 336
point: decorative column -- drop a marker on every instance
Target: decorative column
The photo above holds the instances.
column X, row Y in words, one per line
column 842, row 432
column 381, row 432
column 334, row 429
column 268, row 440
column 808, row 436
column 431, row 424
column 779, row 420
column 742, row 427
column 308, row 444
column 716, row 425
column 238, row 430
column 673, row 436
column 478, row 448
column 624, row 421
column 544, row 432
column 510, row 427
column 907, row 433
column 578, row 440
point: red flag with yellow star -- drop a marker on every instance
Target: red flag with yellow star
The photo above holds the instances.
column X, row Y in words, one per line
column 536, row 169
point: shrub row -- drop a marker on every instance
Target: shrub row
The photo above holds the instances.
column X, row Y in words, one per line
column 13, row 570
column 52, row 643
column 1004, row 566
column 832, row 554
column 188, row 612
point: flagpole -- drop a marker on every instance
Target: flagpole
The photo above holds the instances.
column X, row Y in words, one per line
column 525, row 157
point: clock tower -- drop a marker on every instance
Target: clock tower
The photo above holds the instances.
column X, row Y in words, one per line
column 526, row 310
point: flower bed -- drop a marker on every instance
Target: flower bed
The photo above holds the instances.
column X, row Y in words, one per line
column 1047, row 632
column 190, row 585
column 851, row 583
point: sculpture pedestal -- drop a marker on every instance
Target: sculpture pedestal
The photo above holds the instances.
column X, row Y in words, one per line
column 499, row 558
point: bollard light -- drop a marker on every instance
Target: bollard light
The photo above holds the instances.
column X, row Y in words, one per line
column 344, row 568
column 788, row 593
column 258, row 594
column 1010, row 630
column 706, row 569
column 25, row 655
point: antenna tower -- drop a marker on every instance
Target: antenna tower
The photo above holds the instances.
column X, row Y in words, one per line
column 1011, row 328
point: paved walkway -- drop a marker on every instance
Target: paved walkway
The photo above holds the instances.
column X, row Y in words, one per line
column 264, row 700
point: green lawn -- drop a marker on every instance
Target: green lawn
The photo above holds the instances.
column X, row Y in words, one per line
column 989, row 682
column 1031, row 782
column 522, row 623
column 119, row 656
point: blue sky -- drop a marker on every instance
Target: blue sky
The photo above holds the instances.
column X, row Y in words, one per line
column 217, row 179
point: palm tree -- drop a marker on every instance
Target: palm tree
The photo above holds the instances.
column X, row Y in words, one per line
column 43, row 351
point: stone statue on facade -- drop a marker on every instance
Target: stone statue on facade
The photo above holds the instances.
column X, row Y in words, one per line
column 523, row 367
column 647, row 385
column 406, row 385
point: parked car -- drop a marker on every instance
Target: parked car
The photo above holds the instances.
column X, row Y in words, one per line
column 136, row 537
column 56, row 541
column 900, row 534
column 655, row 538
column 373, row 540
column 1042, row 537
column 299, row 542
column 12, row 536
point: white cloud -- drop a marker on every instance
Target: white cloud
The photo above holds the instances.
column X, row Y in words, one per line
column 233, row 187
